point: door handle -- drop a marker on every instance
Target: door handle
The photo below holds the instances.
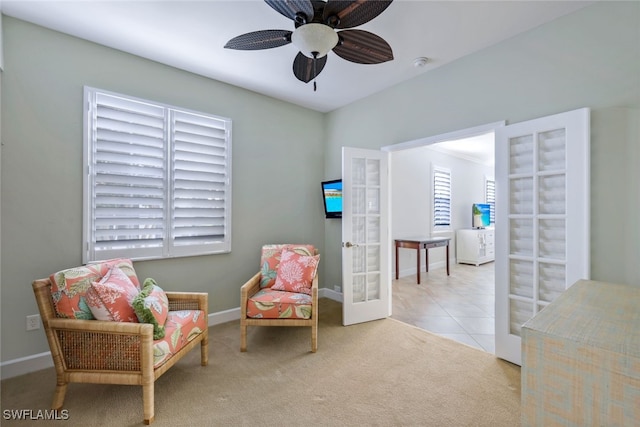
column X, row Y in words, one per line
column 349, row 245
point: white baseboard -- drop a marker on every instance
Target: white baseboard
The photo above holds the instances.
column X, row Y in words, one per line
column 330, row 293
column 37, row 362
column 25, row 365
column 224, row 316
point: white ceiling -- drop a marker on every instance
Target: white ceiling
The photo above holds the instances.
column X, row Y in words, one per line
column 190, row 35
column 479, row 148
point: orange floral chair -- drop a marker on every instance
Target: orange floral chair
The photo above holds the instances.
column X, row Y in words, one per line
column 104, row 328
column 284, row 292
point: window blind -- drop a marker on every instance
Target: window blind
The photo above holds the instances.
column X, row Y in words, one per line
column 441, row 198
column 158, row 181
column 199, row 205
column 490, row 198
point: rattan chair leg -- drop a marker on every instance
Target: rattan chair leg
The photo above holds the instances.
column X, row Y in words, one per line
column 314, row 338
column 148, row 403
column 58, row 396
column 204, row 351
column 243, row 337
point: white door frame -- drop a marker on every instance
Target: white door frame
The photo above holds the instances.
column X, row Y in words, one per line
column 449, row 136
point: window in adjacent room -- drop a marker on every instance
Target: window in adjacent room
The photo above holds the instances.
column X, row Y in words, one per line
column 157, row 182
column 441, row 198
column 490, row 197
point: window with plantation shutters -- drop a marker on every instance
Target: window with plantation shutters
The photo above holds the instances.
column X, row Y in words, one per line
column 441, row 198
column 490, row 197
column 158, row 180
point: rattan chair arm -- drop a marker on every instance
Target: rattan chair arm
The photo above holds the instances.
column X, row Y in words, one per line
column 250, row 287
column 102, row 326
column 180, row 300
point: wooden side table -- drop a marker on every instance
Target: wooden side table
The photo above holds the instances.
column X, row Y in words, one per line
column 420, row 243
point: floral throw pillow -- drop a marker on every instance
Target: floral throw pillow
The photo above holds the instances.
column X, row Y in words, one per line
column 270, row 259
column 110, row 298
column 296, row 272
column 152, row 306
column 69, row 287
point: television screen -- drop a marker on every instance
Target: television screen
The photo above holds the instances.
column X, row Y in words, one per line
column 481, row 217
column 332, row 198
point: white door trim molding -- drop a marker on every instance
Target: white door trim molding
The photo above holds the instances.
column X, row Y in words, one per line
column 449, row 136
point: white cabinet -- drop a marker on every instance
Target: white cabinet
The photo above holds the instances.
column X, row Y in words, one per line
column 475, row 246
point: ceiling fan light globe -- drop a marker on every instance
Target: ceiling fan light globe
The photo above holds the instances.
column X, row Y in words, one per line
column 314, row 40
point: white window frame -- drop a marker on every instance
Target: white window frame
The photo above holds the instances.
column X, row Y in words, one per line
column 438, row 225
column 490, row 196
column 157, row 179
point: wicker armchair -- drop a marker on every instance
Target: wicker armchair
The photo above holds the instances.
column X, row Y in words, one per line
column 275, row 313
column 78, row 347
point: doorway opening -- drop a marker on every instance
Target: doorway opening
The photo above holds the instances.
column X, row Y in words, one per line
column 460, row 306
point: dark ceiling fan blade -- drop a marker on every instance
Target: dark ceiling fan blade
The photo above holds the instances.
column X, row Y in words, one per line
column 304, row 69
column 363, row 47
column 352, row 13
column 292, row 8
column 264, row 39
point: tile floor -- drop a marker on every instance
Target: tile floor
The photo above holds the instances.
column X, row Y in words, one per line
column 459, row 306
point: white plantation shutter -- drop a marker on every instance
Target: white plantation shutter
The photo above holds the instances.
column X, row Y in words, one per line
column 490, row 197
column 441, row 198
column 158, row 180
column 199, row 209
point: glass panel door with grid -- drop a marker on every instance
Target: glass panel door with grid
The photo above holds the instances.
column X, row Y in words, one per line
column 542, row 232
column 366, row 249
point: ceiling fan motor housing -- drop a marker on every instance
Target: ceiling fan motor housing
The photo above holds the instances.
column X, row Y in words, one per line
column 314, row 40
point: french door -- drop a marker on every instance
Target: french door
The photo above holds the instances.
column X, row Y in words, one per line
column 366, row 276
column 542, row 219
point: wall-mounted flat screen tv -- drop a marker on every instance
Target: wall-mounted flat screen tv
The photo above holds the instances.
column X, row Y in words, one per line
column 332, row 198
column 481, row 215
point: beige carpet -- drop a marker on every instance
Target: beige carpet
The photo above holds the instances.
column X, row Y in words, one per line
column 382, row 373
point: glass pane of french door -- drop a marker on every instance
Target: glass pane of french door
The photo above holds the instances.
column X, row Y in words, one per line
column 365, row 220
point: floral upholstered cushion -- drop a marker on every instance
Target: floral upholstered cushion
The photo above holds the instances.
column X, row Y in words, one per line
column 68, row 287
column 180, row 328
column 270, row 260
column 110, row 298
column 271, row 304
column 152, row 306
column 296, row 272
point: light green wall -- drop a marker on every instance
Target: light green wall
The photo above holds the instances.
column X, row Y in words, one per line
column 278, row 158
column 590, row 58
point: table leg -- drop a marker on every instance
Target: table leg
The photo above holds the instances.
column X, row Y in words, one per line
column 396, row 261
column 418, row 257
column 447, row 259
column 426, row 259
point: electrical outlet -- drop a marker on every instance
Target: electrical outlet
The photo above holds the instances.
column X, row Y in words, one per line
column 337, row 288
column 33, row 322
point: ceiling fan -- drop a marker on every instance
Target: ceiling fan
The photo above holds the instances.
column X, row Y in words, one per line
column 316, row 22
